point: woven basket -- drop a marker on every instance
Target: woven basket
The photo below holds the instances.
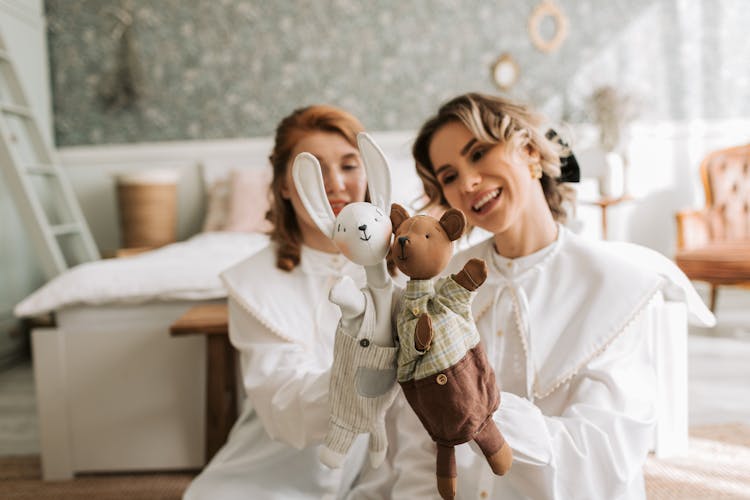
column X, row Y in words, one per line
column 148, row 208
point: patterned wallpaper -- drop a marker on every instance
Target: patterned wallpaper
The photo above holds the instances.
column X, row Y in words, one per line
column 232, row 68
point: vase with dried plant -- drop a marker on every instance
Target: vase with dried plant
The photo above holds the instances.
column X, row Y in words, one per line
column 613, row 110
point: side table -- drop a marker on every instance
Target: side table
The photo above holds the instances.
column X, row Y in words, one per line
column 603, row 203
column 211, row 320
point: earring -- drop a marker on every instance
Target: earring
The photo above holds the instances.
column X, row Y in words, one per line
column 535, row 169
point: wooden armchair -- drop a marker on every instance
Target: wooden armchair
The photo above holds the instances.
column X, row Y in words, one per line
column 713, row 244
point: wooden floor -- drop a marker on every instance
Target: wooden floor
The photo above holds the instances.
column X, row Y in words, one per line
column 719, row 368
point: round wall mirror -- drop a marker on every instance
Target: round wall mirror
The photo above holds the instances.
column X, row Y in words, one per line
column 505, row 72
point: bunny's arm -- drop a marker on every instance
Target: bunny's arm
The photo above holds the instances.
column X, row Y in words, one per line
column 348, row 297
column 382, row 302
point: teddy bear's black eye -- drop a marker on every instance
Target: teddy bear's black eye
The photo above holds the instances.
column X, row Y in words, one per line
column 427, row 235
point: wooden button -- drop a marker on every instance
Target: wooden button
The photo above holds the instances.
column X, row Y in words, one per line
column 499, row 333
column 364, row 343
column 441, row 379
column 484, row 494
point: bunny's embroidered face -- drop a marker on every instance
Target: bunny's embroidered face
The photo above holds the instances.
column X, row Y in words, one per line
column 363, row 233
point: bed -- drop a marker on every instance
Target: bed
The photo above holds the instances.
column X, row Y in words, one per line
column 114, row 391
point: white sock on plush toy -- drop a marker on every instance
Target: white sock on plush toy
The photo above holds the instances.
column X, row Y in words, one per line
column 330, row 458
column 377, row 458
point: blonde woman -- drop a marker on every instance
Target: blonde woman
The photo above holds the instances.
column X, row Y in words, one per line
column 566, row 322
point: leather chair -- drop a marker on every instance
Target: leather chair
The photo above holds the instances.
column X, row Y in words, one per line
column 713, row 243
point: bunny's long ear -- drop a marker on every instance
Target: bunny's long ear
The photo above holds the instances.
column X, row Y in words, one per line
column 378, row 172
column 308, row 180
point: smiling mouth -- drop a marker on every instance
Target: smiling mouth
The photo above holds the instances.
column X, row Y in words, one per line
column 492, row 195
column 337, row 206
column 366, row 238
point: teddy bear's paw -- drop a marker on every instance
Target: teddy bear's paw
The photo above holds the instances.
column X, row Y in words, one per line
column 446, row 487
column 472, row 275
column 501, row 461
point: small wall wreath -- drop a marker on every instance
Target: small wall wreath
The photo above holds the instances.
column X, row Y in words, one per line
column 548, row 9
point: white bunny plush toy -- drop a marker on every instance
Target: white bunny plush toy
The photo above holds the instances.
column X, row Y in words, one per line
column 363, row 377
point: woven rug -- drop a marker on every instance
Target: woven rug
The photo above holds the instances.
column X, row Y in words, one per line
column 716, row 466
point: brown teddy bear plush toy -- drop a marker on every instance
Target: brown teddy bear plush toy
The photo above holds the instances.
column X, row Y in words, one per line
column 442, row 367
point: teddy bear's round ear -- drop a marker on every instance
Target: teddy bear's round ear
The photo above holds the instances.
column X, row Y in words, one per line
column 398, row 216
column 454, row 222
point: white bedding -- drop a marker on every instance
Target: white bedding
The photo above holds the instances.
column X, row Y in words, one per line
column 187, row 270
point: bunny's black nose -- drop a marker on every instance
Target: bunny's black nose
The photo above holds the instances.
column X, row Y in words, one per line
column 362, row 227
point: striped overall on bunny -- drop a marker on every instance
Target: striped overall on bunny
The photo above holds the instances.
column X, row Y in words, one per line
column 363, row 387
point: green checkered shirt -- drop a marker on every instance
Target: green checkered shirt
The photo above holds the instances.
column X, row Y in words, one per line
column 454, row 332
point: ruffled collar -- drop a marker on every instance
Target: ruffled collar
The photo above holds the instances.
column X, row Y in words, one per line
column 290, row 304
column 570, row 300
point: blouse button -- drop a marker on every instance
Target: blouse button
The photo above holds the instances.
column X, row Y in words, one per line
column 499, row 333
column 441, row 379
column 484, row 494
column 364, row 342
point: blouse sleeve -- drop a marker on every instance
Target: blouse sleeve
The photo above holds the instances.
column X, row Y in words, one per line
column 286, row 386
column 598, row 445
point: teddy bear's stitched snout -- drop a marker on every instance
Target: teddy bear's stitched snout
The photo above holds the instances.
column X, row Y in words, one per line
column 402, row 241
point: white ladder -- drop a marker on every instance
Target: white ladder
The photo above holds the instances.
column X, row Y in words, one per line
column 43, row 196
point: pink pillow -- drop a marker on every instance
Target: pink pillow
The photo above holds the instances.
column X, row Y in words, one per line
column 249, row 200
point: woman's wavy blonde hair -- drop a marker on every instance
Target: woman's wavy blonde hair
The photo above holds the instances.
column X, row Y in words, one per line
column 292, row 129
column 494, row 120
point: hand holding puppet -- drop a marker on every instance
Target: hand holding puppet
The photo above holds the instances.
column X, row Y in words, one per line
column 442, row 367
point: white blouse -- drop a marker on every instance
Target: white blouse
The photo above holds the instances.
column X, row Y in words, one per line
column 283, row 326
column 567, row 330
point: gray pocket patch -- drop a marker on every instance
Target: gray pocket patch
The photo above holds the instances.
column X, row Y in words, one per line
column 374, row 382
